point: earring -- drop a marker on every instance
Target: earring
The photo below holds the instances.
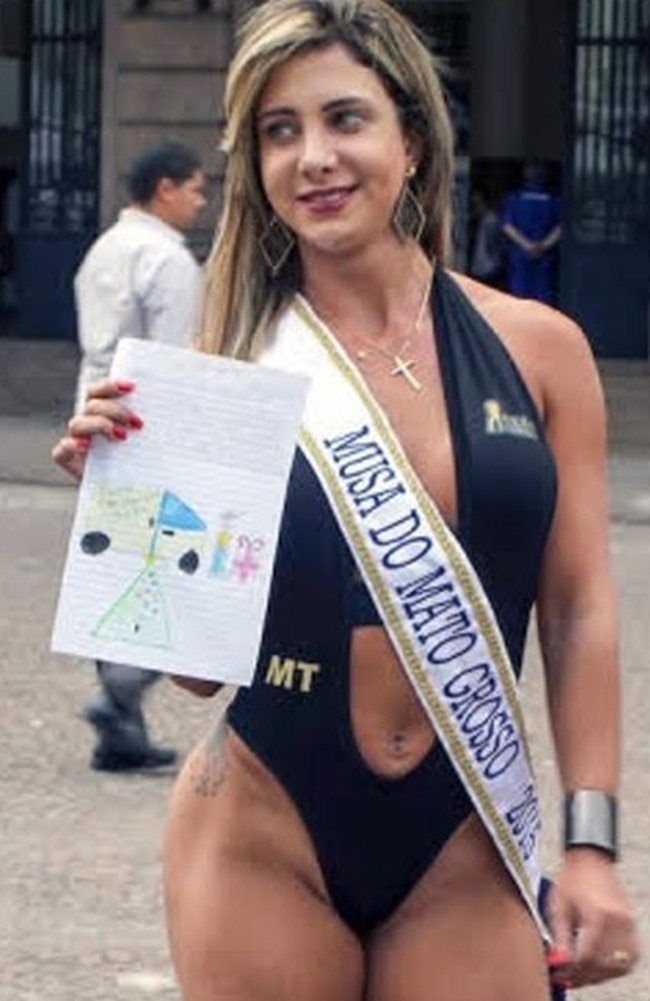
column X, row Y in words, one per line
column 408, row 217
column 276, row 243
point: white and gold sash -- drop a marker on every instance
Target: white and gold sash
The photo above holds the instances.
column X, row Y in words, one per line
column 432, row 604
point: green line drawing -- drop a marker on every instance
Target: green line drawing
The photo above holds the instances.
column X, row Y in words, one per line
column 139, row 615
column 160, row 527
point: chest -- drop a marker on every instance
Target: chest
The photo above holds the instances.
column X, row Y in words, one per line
column 414, row 403
column 469, row 430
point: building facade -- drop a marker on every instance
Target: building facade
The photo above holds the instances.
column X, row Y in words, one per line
column 86, row 83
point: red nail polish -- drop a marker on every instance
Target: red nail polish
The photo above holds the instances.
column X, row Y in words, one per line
column 120, row 433
column 557, row 955
column 136, row 422
column 83, row 444
column 125, row 385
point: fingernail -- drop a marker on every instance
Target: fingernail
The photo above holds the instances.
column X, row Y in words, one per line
column 125, row 385
column 136, row 422
column 83, row 444
column 120, row 433
column 557, row 955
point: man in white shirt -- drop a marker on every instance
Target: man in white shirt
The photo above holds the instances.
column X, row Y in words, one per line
column 138, row 280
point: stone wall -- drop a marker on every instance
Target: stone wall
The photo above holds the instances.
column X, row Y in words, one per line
column 164, row 67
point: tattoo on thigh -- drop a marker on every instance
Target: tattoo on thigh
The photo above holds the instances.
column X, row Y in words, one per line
column 211, row 768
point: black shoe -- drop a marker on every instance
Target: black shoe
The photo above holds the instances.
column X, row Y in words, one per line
column 123, row 743
column 128, row 758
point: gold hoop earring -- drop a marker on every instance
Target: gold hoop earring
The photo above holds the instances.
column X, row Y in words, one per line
column 276, row 243
column 409, row 219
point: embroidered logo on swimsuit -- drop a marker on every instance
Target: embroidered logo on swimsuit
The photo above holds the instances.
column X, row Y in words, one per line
column 497, row 421
column 283, row 672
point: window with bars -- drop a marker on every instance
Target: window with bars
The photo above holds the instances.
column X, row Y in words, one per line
column 611, row 158
column 62, row 115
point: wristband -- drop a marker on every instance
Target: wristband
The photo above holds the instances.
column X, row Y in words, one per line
column 591, row 819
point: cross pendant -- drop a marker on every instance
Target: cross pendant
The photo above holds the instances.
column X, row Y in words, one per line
column 403, row 367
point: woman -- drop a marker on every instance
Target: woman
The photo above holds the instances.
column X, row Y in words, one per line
column 343, row 836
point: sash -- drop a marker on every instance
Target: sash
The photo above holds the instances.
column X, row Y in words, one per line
column 430, row 599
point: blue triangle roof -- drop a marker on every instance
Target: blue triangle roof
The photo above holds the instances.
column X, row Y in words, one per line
column 174, row 513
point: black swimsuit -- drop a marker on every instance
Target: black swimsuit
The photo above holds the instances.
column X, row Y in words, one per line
column 375, row 836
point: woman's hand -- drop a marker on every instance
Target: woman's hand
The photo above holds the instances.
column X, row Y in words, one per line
column 591, row 920
column 105, row 413
column 197, row 686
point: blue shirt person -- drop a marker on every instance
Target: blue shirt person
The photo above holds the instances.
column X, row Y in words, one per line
column 530, row 219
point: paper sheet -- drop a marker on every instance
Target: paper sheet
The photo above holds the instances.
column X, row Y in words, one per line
column 172, row 547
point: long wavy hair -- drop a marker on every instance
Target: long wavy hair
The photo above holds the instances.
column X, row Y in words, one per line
column 242, row 297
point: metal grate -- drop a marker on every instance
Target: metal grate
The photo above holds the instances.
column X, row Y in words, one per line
column 611, row 157
column 62, row 113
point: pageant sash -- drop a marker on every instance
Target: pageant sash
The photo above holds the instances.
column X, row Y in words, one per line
column 431, row 602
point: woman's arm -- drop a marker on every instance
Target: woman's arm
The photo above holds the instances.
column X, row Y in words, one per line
column 576, row 604
column 197, row 686
column 578, row 631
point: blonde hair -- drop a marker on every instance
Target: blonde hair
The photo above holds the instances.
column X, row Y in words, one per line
column 242, row 297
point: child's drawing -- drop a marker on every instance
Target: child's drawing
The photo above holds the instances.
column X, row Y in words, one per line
column 235, row 557
column 163, row 529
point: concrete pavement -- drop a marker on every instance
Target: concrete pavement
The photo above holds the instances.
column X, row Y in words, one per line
column 80, row 891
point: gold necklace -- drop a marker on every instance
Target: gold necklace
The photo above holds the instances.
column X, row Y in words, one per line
column 401, row 364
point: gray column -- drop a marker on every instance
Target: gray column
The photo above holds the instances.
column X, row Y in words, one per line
column 549, row 90
column 498, row 44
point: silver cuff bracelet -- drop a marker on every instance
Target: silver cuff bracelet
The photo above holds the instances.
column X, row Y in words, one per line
column 591, row 819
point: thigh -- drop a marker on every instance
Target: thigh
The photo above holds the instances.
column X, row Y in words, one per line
column 246, row 935
column 459, row 940
column 243, row 927
column 459, row 954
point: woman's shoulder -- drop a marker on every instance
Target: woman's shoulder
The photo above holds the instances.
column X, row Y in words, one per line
column 525, row 325
column 551, row 350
